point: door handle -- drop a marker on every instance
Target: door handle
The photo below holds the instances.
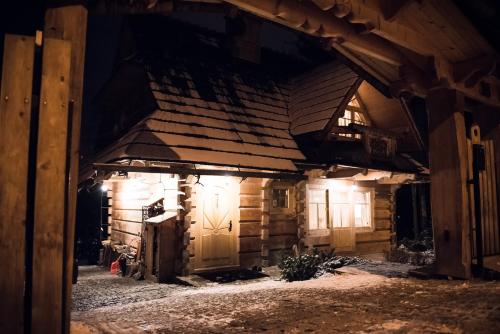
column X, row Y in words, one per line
column 230, row 226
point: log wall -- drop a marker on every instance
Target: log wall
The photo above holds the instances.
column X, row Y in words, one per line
column 383, row 236
column 251, row 224
column 127, row 197
column 281, row 228
column 377, row 240
column 249, row 239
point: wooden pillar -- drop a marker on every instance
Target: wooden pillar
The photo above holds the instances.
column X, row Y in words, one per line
column 70, row 23
column 15, row 118
column 449, row 198
column 50, row 190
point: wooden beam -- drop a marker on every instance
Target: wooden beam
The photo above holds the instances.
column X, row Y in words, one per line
column 115, row 7
column 391, row 8
column 364, row 109
column 449, row 198
column 50, row 190
column 192, row 171
column 471, row 71
column 70, row 23
column 15, row 118
column 362, row 13
column 307, row 17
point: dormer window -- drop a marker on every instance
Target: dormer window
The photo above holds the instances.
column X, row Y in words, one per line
column 352, row 114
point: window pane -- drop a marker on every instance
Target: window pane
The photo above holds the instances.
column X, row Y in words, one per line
column 361, row 202
column 280, row 198
column 318, row 216
column 341, row 215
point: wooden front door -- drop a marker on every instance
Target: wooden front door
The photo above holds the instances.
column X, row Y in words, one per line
column 217, row 206
column 342, row 222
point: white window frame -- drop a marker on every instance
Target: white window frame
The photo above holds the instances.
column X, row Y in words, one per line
column 369, row 228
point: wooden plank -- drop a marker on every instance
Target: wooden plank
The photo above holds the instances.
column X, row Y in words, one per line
column 15, row 118
column 204, row 131
column 249, row 260
column 223, row 145
column 206, row 111
column 252, row 229
column 70, row 23
column 50, row 201
column 250, row 244
column 383, row 214
column 126, row 238
column 128, row 215
column 250, row 201
column 383, row 224
column 125, row 226
column 449, row 200
column 319, row 240
column 167, row 250
column 250, row 214
column 373, row 247
column 282, row 241
column 373, row 236
column 215, row 123
column 382, row 203
column 288, row 227
column 250, row 189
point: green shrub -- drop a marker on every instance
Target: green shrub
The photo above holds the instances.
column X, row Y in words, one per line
column 307, row 266
column 315, row 264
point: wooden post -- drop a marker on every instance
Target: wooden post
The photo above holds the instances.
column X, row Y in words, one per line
column 50, row 190
column 15, row 118
column 70, row 23
column 449, row 199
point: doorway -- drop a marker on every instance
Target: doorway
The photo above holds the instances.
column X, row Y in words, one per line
column 217, row 223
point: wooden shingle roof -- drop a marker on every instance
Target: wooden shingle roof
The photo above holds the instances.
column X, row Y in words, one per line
column 211, row 109
column 211, row 113
column 318, row 95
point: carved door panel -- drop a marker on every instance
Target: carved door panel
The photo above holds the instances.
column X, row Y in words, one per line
column 217, row 219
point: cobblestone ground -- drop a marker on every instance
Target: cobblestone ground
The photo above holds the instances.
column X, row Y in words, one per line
column 375, row 298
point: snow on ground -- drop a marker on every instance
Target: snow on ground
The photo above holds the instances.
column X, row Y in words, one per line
column 373, row 297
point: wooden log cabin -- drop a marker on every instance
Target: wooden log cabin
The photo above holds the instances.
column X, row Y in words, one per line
column 247, row 161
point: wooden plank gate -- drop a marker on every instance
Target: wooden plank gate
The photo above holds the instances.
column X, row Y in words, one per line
column 34, row 171
column 40, row 110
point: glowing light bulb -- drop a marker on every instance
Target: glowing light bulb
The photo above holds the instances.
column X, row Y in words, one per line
column 104, row 188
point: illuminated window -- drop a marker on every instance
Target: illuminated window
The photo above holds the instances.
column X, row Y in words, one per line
column 318, row 209
column 352, row 114
column 351, row 209
column 362, row 209
column 341, row 209
column 280, row 199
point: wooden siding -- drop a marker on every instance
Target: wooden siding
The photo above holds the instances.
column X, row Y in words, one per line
column 317, row 95
column 250, row 237
column 127, row 197
column 281, row 228
column 383, row 237
column 489, row 209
